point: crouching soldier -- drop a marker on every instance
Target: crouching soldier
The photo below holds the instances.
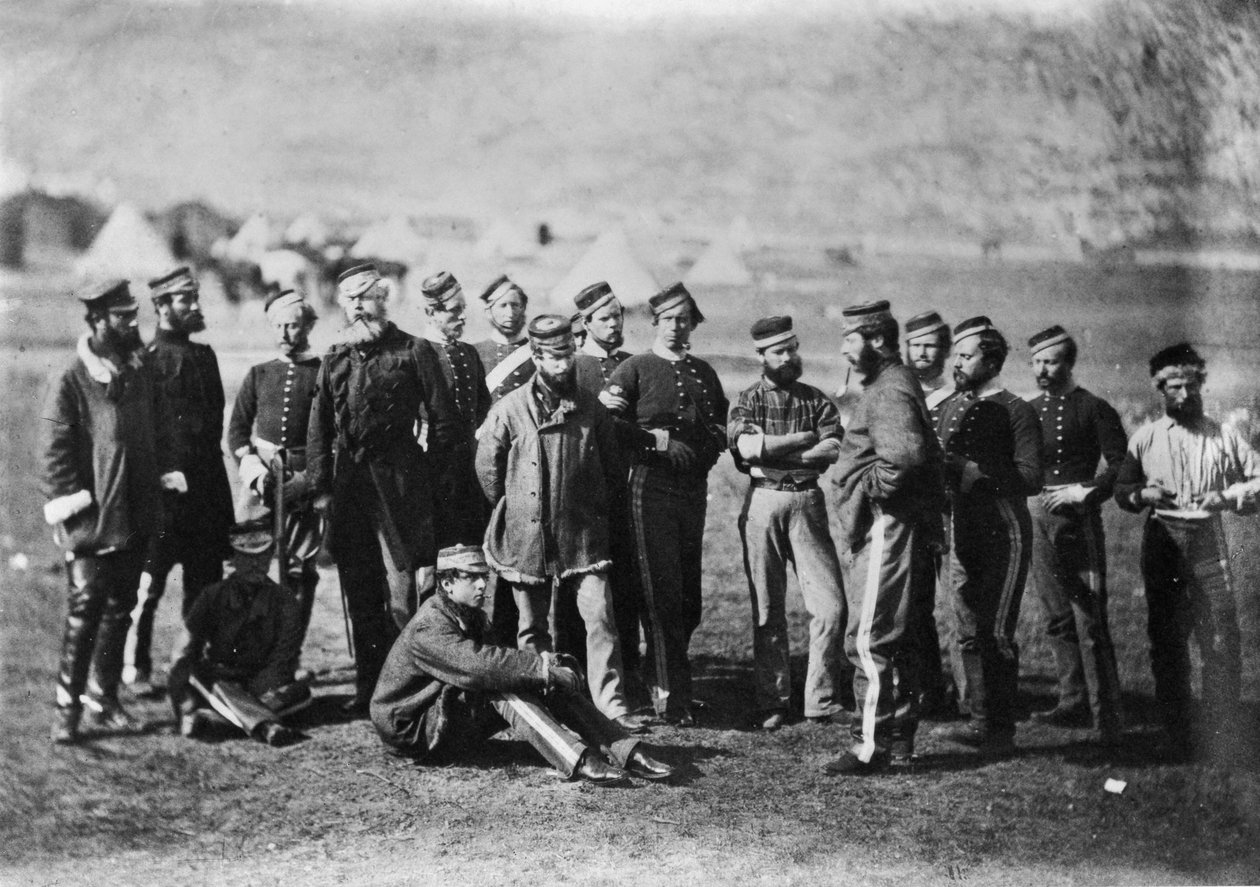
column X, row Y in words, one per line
column 233, row 664
column 445, row 687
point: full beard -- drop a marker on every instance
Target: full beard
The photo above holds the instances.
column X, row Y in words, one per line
column 564, row 385
column 363, row 330
column 123, row 344
column 785, row 374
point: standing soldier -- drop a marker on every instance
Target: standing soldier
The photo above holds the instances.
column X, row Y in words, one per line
column 890, row 498
column 992, row 442
column 368, row 472
column 601, row 315
column 1187, row 469
column 271, row 417
column 105, row 445
column 547, row 462
column 461, row 511
column 927, row 351
column 675, row 416
column 784, row 434
column 1069, row 552
column 506, row 354
column 197, row 523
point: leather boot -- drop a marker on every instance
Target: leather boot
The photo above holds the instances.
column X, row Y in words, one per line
column 65, row 729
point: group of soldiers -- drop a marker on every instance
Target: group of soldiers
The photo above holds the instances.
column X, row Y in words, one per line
column 518, row 524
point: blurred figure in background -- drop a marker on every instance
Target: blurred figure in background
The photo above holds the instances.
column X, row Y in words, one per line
column 195, row 534
column 107, row 457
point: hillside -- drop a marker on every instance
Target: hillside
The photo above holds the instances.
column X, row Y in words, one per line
column 1135, row 124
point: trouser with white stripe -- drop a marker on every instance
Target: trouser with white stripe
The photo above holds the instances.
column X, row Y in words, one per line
column 1070, row 572
column 667, row 511
column 1185, row 565
column 988, row 567
column 888, row 581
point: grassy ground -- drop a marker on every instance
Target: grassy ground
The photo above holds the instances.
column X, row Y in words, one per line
column 748, row 809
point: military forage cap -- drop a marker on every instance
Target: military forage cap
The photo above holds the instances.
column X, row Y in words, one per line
column 1048, row 338
column 671, row 297
column 1178, row 361
column 252, row 536
column 857, row 316
column 594, row 297
column 972, row 326
column 469, row 558
column 169, row 284
column 284, row 304
column 500, row 288
column 771, row 331
column 551, row 331
column 106, row 295
column 357, row 280
column 925, row 324
column 440, row 289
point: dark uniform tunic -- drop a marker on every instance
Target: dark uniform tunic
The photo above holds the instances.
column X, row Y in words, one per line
column 668, row 505
column 461, row 509
column 1069, row 549
column 493, row 353
column 113, row 441
column 362, row 448
column 993, row 463
column 197, row 522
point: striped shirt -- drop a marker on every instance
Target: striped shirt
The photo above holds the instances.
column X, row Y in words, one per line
column 769, row 409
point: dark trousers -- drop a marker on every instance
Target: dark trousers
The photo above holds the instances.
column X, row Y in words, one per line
column 101, row 592
column 1070, row 570
column 988, row 567
column 888, row 582
column 202, row 566
column 667, row 512
column 380, row 595
column 1185, row 565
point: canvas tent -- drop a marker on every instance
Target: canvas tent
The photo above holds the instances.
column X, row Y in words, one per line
column 719, row 265
column 609, row 258
column 251, row 241
column 503, row 240
column 306, row 230
column 393, row 240
column 127, row 246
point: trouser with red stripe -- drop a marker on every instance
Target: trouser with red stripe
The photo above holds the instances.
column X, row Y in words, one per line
column 1070, row 572
column 888, row 581
column 667, row 511
column 1185, row 565
column 988, row 567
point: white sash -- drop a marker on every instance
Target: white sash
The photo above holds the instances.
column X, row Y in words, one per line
column 510, row 364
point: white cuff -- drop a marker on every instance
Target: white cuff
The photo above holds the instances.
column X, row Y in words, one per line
column 751, row 447
column 61, row 509
column 175, row 480
column 662, row 439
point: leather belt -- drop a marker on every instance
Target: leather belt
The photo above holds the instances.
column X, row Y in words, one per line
column 785, row 484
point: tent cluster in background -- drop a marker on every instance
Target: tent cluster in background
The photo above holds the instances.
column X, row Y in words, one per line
column 552, row 257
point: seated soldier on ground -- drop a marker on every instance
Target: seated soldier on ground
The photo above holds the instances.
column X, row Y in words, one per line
column 446, row 687
column 233, row 665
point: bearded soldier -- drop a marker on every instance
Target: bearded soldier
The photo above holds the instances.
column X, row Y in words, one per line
column 107, row 456
column 197, row 522
column 271, row 417
column 368, row 472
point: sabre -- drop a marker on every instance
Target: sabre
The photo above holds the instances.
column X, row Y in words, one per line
column 278, row 515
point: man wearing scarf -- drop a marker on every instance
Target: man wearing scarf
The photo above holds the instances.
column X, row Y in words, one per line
column 369, row 474
column 547, row 463
column 107, row 457
column 271, row 415
column 197, row 523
